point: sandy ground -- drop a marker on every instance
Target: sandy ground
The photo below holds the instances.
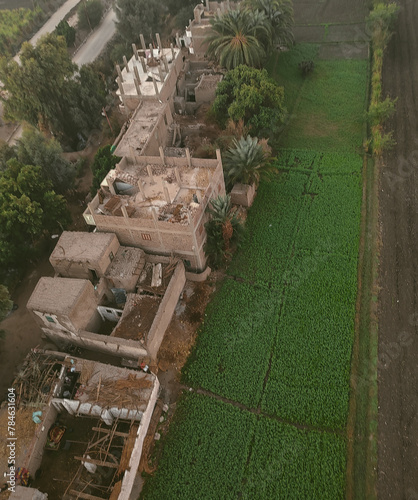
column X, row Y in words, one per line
column 398, row 342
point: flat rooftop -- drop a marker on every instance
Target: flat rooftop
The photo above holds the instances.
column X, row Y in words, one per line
column 127, row 262
column 81, row 246
column 137, row 318
column 140, row 128
column 57, row 295
column 156, row 70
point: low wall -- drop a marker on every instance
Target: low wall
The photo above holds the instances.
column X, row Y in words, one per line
column 34, row 457
column 165, row 311
column 131, row 472
column 123, row 348
column 203, row 276
column 243, row 194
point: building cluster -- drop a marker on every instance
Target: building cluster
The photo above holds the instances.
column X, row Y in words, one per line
column 116, row 287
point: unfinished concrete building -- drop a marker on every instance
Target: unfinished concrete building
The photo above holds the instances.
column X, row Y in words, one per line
column 159, row 204
column 147, row 129
column 200, row 27
column 150, row 75
column 125, row 313
column 92, row 457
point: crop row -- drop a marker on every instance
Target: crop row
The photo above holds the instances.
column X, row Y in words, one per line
column 310, row 368
column 215, row 450
column 235, row 343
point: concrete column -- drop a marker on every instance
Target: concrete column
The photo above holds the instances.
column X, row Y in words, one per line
column 222, row 7
column 189, row 160
column 90, row 205
column 141, row 189
column 124, row 212
column 155, row 85
column 157, row 36
column 199, row 195
column 197, row 15
column 218, row 11
column 137, row 87
column 136, row 72
column 111, row 188
column 177, row 174
column 120, row 85
column 228, row 5
column 173, row 54
column 162, row 154
column 119, row 72
column 166, row 193
column 165, row 62
column 207, row 5
column 149, row 171
column 143, row 64
column 141, row 37
column 160, row 73
column 151, row 49
column 218, row 156
column 125, row 62
column 178, row 40
column 134, row 50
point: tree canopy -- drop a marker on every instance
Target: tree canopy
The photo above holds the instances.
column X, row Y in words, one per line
column 237, row 38
column 251, row 95
column 33, row 148
column 104, row 161
column 135, row 17
column 67, row 31
column 280, row 15
column 89, row 14
column 246, row 161
column 224, row 231
column 5, row 303
column 45, row 91
column 245, row 35
column 28, row 207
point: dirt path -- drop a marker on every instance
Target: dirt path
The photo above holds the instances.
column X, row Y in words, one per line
column 22, row 333
column 398, row 311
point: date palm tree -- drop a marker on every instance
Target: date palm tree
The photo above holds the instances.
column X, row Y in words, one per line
column 238, row 37
column 224, row 230
column 246, row 161
column 280, row 15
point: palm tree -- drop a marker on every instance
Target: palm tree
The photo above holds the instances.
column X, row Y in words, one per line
column 280, row 15
column 224, row 229
column 246, row 161
column 238, row 38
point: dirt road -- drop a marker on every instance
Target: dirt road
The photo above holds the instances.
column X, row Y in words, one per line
column 398, row 309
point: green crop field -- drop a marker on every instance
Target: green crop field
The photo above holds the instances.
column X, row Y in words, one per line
column 217, row 451
column 277, row 339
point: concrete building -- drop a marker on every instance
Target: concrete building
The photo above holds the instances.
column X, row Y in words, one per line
column 125, row 313
column 117, row 405
column 148, row 129
column 65, row 304
column 95, row 257
column 159, row 204
column 150, row 75
column 200, row 27
column 84, row 255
